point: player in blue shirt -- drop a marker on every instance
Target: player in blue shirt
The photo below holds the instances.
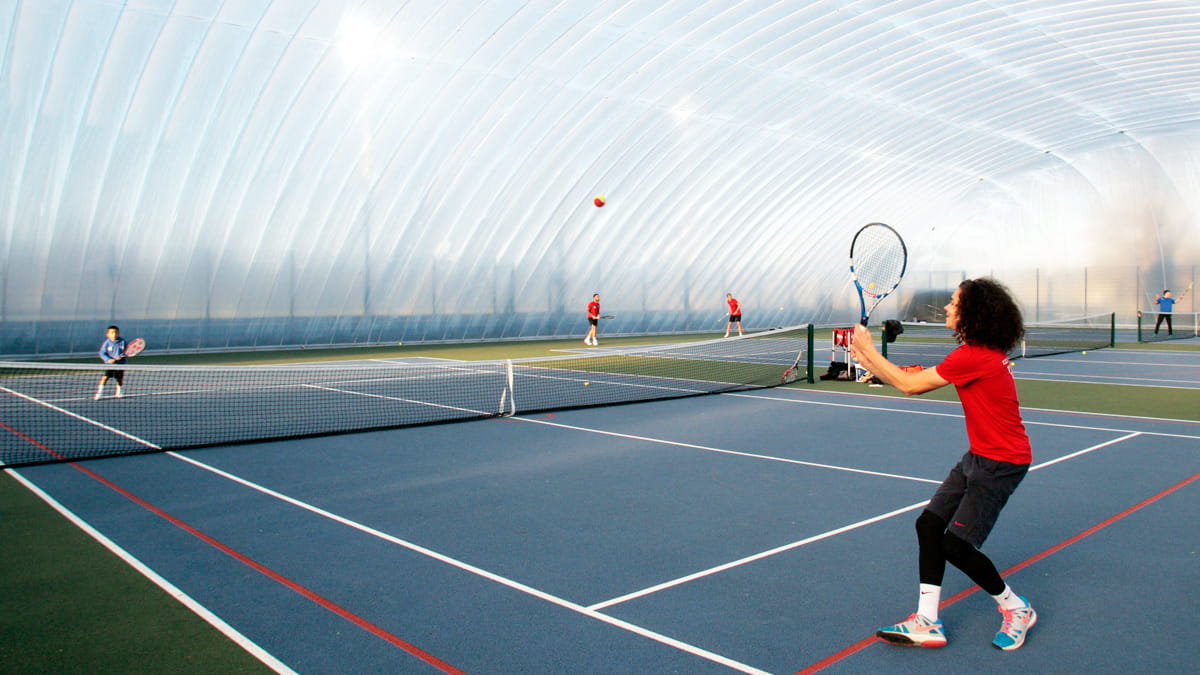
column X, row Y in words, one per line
column 1165, row 304
column 112, row 352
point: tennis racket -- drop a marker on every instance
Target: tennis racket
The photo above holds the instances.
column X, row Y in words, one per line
column 878, row 258
column 794, row 371
column 134, row 347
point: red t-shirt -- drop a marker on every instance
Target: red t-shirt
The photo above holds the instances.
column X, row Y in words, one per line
column 984, row 380
column 593, row 310
column 734, row 307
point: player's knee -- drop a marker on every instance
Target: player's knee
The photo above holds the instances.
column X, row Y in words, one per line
column 956, row 549
column 929, row 526
column 929, row 523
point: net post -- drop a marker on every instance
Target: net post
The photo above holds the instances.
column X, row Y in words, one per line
column 811, row 342
column 512, row 394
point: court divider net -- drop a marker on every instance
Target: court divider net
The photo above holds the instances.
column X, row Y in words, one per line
column 50, row 412
column 1156, row 327
column 927, row 343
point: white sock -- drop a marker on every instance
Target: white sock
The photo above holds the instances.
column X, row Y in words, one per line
column 1009, row 600
column 927, row 604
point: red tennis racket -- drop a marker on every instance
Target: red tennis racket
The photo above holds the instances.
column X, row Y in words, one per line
column 134, row 347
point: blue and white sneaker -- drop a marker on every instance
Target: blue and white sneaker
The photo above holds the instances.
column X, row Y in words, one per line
column 1017, row 623
column 915, row 631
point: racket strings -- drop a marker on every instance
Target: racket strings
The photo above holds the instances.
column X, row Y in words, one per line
column 880, row 272
column 879, row 259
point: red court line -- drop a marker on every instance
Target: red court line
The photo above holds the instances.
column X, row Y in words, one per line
column 257, row 566
column 863, row 644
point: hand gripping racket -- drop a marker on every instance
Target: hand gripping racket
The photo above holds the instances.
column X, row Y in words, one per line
column 135, row 347
column 878, row 258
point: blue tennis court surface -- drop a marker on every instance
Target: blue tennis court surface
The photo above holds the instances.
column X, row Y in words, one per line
column 766, row 531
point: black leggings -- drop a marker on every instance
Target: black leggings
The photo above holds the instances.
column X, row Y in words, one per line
column 937, row 547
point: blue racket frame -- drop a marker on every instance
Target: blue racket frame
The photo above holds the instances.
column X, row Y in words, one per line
column 876, row 296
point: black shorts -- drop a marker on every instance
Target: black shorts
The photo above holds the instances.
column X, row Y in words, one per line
column 592, row 321
column 971, row 497
column 735, row 318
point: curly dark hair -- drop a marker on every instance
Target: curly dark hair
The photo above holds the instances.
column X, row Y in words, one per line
column 988, row 316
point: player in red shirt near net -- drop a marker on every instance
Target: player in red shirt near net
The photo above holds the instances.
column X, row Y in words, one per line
column 593, row 312
column 735, row 314
column 959, row 517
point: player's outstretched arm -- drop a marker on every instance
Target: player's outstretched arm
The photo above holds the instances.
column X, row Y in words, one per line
column 863, row 350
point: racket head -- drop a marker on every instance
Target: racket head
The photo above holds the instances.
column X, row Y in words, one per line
column 135, row 347
column 793, row 372
column 878, row 260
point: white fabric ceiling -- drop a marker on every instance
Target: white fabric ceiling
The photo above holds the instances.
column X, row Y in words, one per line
column 321, row 170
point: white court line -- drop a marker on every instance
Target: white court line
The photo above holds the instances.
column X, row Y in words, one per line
column 171, row 589
column 825, row 535
column 478, row 571
column 706, row 448
column 1084, row 451
column 959, row 415
column 661, row 441
column 1146, row 381
column 1088, row 360
column 757, row 556
column 401, row 400
column 81, row 418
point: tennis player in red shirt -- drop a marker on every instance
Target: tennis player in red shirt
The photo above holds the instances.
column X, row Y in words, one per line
column 959, row 517
column 593, row 312
column 735, row 314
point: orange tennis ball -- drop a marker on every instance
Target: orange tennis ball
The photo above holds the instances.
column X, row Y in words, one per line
column 599, row 200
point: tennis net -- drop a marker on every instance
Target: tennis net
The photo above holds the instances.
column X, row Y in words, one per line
column 49, row 412
column 927, row 344
column 1157, row 327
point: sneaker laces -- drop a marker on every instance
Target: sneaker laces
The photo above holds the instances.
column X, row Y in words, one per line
column 1009, row 615
column 1008, row 619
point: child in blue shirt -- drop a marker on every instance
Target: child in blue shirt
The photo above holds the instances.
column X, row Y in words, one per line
column 1165, row 304
column 112, row 352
